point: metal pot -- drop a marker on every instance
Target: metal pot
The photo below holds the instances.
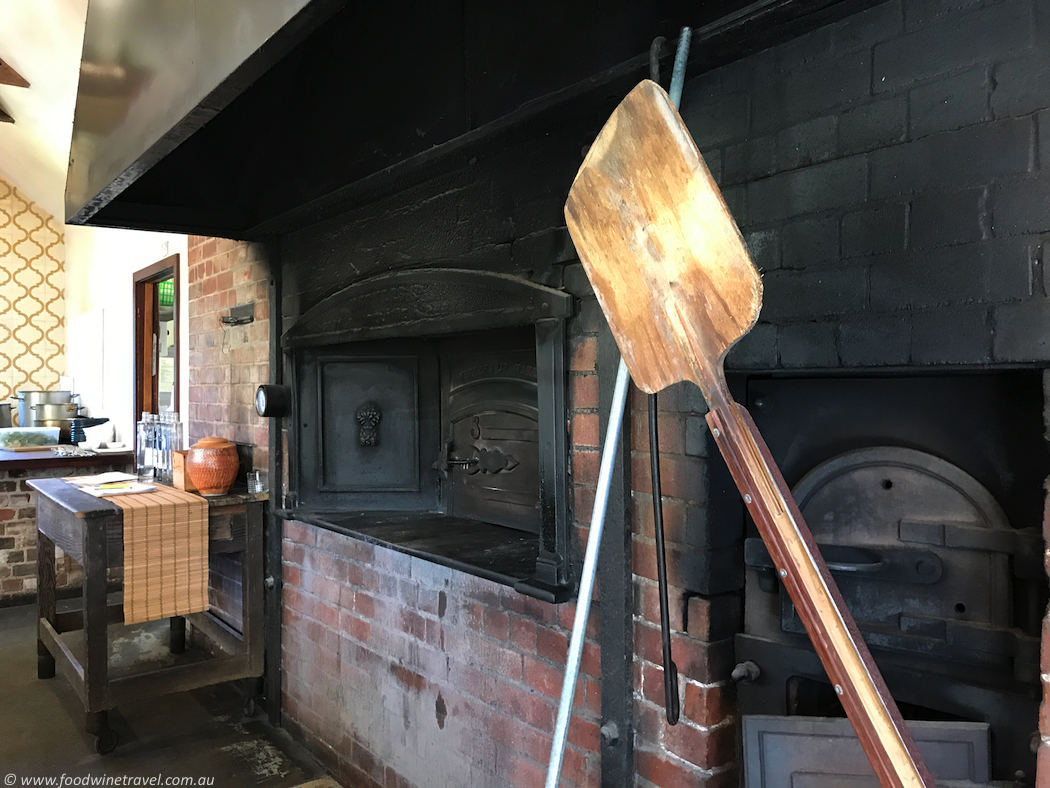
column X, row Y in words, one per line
column 67, row 410
column 5, row 414
column 28, row 399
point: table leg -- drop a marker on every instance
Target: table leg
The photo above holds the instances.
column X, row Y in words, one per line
column 45, row 600
column 177, row 634
column 252, row 588
column 96, row 721
column 96, row 618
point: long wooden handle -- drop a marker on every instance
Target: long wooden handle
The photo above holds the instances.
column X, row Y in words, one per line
column 861, row 689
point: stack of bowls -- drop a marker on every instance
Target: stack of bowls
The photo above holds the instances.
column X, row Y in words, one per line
column 76, row 428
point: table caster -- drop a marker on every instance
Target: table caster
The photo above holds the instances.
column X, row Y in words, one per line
column 249, row 708
column 106, row 741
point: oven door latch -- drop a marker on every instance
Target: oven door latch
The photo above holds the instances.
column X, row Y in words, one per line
column 446, row 461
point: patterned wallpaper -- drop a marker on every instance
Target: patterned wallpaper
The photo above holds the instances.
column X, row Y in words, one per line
column 32, row 306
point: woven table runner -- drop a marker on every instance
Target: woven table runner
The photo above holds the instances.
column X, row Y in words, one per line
column 165, row 554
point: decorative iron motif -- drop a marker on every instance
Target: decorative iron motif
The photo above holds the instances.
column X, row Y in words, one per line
column 493, row 461
column 368, row 416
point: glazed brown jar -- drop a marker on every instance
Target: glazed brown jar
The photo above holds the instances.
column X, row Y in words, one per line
column 212, row 464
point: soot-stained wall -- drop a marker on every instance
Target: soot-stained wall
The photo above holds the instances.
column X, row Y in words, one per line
column 887, row 172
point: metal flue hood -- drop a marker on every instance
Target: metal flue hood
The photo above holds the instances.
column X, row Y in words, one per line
column 242, row 118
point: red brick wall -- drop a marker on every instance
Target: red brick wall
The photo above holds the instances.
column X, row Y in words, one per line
column 400, row 672
column 18, row 532
column 227, row 363
column 701, row 748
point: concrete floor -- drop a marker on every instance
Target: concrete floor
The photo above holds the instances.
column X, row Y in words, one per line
column 200, row 734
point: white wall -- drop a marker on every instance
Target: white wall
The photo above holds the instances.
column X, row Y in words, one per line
column 100, row 316
column 43, row 40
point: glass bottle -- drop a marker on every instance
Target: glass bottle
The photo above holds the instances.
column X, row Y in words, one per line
column 144, row 448
column 176, row 438
column 164, row 443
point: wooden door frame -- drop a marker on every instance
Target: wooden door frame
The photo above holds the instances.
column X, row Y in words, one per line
column 145, row 290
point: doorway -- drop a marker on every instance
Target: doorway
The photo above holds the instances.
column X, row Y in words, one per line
column 157, row 311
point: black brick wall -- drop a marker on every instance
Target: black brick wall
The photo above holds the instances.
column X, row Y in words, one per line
column 891, row 176
column 890, row 173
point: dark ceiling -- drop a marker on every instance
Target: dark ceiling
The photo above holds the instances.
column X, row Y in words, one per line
column 367, row 86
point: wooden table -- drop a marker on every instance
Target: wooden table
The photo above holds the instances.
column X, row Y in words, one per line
column 45, row 458
column 90, row 531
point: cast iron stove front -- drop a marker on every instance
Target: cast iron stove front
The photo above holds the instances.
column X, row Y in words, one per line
column 429, row 417
column 900, row 480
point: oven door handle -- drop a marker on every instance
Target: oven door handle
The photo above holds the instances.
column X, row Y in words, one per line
column 866, row 562
column 895, row 564
column 446, row 461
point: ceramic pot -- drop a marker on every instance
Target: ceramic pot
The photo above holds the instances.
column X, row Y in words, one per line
column 212, row 464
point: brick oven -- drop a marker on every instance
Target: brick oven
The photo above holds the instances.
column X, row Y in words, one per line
column 447, row 440
column 451, row 376
column 949, row 593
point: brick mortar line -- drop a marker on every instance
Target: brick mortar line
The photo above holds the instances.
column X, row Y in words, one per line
column 727, row 721
column 662, row 752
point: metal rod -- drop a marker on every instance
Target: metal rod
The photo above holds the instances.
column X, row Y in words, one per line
column 672, row 704
column 654, row 58
column 678, row 74
column 601, row 500
column 590, row 562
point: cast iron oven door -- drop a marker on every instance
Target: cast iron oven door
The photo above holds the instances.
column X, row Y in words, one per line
column 922, row 554
column 372, row 413
column 366, row 408
column 491, row 457
column 429, row 416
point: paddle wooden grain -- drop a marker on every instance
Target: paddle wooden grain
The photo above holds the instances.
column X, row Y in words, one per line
column 675, row 281
column 673, row 291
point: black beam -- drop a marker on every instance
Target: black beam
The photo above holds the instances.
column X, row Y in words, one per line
column 615, row 578
column 273, row 529
column 552, row 566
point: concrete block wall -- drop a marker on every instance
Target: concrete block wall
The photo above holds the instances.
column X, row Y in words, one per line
column 890, row 176
column 18, row 533
column 888, row 173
